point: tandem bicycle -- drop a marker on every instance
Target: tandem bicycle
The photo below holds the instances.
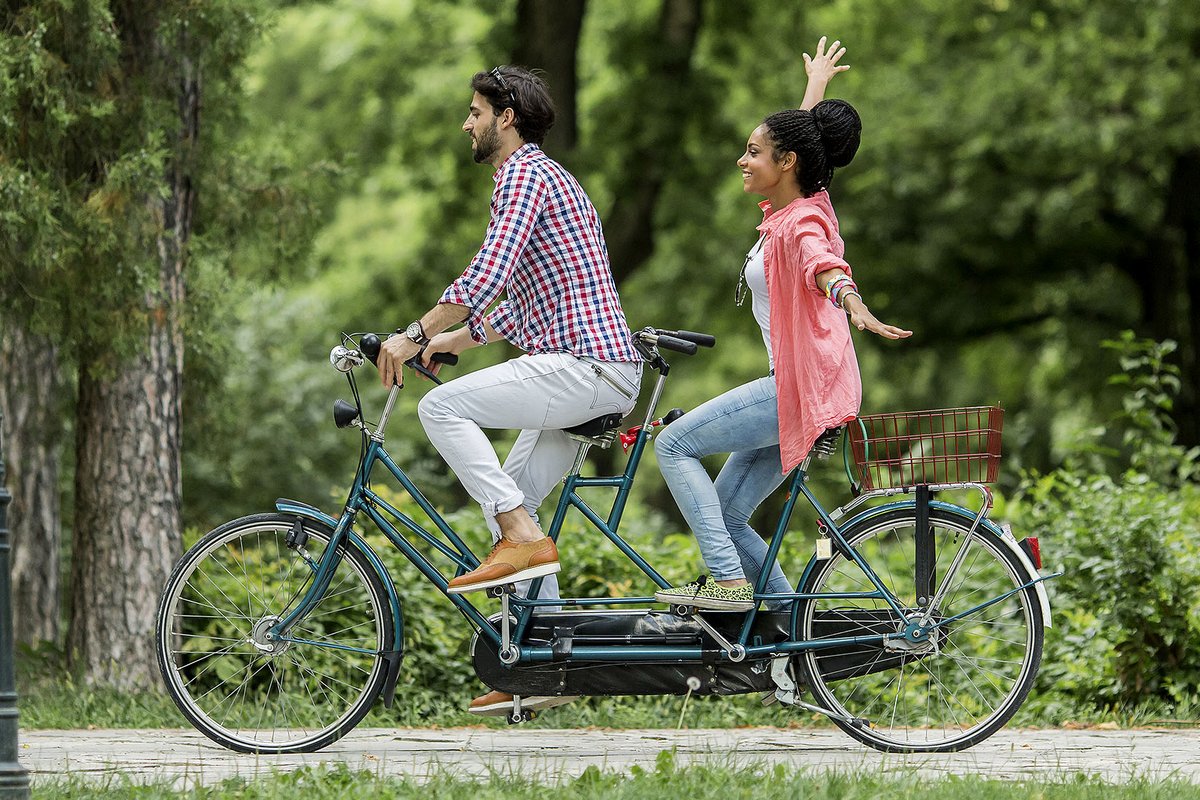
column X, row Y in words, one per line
column 916, row 626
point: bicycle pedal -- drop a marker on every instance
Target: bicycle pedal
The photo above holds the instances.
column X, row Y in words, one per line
column 517, row 719
column 769, row 699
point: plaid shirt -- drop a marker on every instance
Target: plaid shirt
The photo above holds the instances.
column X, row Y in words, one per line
column 544, row 248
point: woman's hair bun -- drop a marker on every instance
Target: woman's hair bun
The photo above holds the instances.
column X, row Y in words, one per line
column 840, row 128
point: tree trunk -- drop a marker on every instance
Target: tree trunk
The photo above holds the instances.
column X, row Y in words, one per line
column 547, row 39
column 1183, row 215
column 1169, row 274
column 30, row 396
column 128, row 444
column 629, row 227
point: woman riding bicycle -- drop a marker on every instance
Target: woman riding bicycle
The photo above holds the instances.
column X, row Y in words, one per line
column 801, row 293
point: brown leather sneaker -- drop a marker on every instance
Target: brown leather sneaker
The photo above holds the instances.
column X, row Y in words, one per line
column 509, row 562
column 499, row 704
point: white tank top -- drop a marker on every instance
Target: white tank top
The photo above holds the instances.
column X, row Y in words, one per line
column 760, row 299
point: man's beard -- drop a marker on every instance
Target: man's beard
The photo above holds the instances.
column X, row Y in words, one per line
column 486, row 144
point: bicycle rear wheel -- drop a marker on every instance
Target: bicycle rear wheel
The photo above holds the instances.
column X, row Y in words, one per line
column 967, row 679
column 251, row 694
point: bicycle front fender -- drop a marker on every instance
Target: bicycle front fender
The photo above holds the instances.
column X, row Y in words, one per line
column 967, row 516
column 304, row 510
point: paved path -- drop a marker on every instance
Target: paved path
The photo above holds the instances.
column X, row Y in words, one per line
column 187, row 757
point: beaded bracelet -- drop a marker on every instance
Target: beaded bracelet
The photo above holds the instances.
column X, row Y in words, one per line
column 834, row 282
column 837, row 287
column 842, row 302
column 843, row 290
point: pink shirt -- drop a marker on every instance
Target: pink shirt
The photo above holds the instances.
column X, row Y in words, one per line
column 816, row 371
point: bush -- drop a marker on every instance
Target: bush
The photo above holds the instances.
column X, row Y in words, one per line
column 1125, row 610
column 1126, row 627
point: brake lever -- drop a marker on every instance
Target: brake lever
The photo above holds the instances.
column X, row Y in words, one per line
column 441, row 358
column 417, row 366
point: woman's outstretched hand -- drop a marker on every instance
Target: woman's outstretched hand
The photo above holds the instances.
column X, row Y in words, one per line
column 862, row 318
column 824, row 65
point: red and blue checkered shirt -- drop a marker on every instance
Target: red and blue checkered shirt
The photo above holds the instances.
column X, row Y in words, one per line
column 545, row 250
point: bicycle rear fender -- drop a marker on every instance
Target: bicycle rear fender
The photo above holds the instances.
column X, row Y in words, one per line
column 1006, row 538
column 393, row 657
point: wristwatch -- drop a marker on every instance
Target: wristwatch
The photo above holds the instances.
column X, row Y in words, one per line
column 415, row 332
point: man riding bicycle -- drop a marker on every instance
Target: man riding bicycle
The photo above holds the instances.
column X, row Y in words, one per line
column 544, row 253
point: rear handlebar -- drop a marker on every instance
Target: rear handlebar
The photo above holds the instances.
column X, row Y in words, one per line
column 674, row 343
column 701, row 339
column 684, row 342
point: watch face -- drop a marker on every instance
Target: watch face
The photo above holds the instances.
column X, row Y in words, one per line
column 414, row 332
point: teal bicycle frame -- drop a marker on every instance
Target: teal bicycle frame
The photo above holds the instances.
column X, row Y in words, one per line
column 362, row 499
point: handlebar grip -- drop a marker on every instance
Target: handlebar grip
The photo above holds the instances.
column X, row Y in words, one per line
column 702, row 339
column 676, row 344
column 444, row 358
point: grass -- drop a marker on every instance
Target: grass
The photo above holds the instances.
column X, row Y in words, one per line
column 665, row 780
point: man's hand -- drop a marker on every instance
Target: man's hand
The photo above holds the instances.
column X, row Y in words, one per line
column 395, row 351
column 824, row 65
column 862, row 318
column 448, row 342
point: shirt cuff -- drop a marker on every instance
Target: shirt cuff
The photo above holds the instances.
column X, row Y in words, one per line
column 456, row 294
column 503, row 320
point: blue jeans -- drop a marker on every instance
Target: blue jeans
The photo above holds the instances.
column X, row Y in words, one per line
column 743, row 422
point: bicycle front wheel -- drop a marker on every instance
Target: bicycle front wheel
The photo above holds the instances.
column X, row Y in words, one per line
column 240, row 688
column 967, row 679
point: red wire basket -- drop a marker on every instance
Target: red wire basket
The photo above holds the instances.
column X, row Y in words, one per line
column 908, row 448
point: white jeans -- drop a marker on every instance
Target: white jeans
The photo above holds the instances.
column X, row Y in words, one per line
column 538, row 395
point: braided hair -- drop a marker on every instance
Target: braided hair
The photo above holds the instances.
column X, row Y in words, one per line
column 822, row 139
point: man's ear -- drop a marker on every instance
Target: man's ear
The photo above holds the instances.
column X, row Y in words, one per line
column 507, row 118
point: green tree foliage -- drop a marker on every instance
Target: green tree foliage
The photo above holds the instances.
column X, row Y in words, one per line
column 121, row 215
column 1026, row 182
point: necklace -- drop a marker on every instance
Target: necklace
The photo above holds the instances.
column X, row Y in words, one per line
column 739, row 293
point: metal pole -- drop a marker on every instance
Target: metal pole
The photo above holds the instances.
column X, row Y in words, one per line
column 14, row 780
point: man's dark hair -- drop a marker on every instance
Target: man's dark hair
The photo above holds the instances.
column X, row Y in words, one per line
column 522, row 91
column 822, row 139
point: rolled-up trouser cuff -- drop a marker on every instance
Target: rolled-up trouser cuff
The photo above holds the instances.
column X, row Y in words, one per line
column 492, row 508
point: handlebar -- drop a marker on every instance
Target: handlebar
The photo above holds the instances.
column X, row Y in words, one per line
column 684, row 342
column 674, row 343
column 701, row 339
column 371, row 344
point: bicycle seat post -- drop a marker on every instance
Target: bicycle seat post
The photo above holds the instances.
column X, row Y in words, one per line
column 580, row 457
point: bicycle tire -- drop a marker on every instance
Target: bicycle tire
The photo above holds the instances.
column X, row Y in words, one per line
column 973, row 674
column 252, row 695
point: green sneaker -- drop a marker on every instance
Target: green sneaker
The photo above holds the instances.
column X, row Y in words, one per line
column 707, row 593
